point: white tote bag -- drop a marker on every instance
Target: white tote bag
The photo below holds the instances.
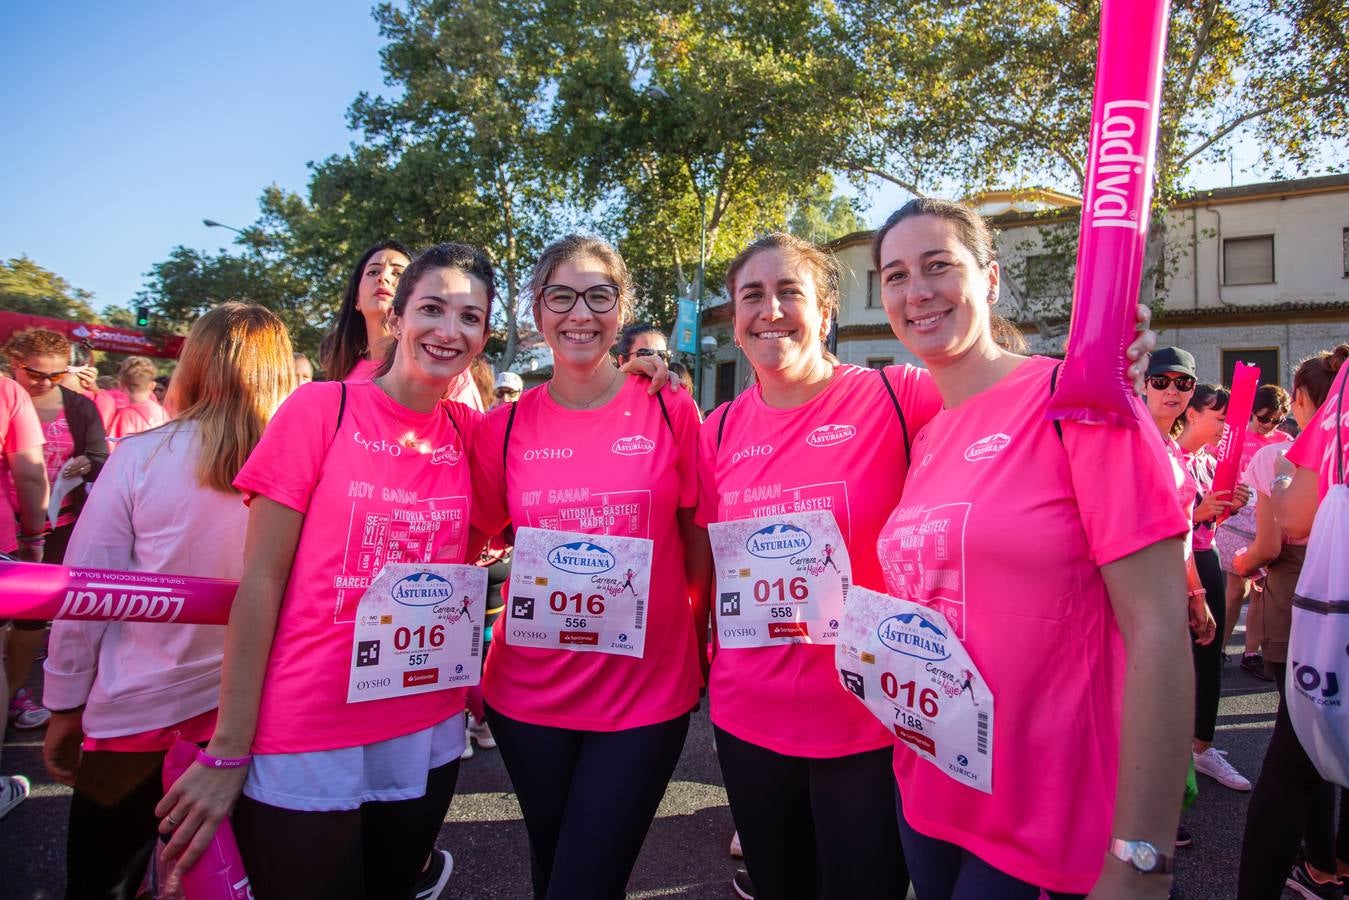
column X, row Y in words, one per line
column 1318, row 647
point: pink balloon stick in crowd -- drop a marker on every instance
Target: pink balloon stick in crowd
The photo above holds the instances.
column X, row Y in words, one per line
column 1116, row 208
column 219, row 873
column 1245, row 380
column 40, row 591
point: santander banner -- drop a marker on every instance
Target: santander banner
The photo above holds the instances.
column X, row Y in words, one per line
column 1116, row 207
column 40, row 591
column 99, row 337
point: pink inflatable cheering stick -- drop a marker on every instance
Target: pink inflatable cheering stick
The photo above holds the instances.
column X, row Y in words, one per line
column 39, row 591
column 1245, row 380
column 1116, row 206
column 219, row 873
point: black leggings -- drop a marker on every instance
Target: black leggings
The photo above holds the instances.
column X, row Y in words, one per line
column 1208, row 660
column 588, row 799
column 375, row 851
column 112, row 824
column 1290, row 801
column 815, row 827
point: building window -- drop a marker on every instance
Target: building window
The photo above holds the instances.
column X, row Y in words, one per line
column 1267, row 358
column 880, row 362
column 1047, row 276
column 874, row 288
column 1248, row 260
column 725, row 382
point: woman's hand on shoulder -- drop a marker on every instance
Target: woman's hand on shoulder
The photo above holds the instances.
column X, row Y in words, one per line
column 654, row 368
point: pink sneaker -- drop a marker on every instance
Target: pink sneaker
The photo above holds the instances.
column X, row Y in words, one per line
column 24, row 713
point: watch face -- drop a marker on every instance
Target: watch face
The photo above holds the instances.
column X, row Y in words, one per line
column 1144, row 856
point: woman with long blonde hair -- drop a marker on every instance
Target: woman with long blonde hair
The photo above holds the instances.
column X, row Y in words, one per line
column 120, row 691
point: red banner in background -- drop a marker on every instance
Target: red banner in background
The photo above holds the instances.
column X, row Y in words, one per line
column 1245, row 380
column 106, row 338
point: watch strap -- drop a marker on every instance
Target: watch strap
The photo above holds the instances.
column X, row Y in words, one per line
column 1125, row 851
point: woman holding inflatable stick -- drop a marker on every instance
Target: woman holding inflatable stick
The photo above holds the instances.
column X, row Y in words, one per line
column 121, row 691
column 593, row 673
column 1070, row 647
column 1055, row 665
column 342, row 697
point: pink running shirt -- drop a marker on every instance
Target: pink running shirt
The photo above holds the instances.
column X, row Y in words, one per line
column 1017, row 525
column 107, row 407
column 20, row 429
column 462, row 389
column 566, row 465
column 135, row 418
column 388, row 485
column 788, row 698
column 1315, row 447
column 57, row 452
column 1202, row 466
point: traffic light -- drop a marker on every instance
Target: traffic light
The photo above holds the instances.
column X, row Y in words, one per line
column 142, row 316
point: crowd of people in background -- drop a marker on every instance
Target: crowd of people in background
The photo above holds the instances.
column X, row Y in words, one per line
column 242, row 466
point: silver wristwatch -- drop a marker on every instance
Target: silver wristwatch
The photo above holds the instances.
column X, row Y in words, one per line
column 1141, row 855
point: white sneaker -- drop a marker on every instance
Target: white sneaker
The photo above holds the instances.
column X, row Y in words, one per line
column 432, row 882
column 1213, row 763
column 735, row 846
column 482, row 733
column 13, row 791
column 468, row 745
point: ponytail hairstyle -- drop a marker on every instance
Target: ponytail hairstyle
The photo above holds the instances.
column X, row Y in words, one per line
column 1205, row 397
column 348, row 342
column 973, row 232
column 469, row 260
column 236, row 367
column 1316, row 373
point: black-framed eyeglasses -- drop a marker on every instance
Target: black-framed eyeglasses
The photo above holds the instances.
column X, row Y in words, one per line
column 53, row 377
column 560, row 299
column 1274, row 418
column 1183, row 383
column 506, row 392
column 652, row 351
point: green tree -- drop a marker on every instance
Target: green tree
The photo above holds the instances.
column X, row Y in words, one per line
column 987, row 93
column 820, row 215
column 26, row 287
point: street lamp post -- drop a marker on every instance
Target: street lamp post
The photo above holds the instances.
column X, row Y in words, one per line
column 212, row 223
column 698, row 302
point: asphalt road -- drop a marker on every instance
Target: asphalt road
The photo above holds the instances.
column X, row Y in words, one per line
column 685, row 854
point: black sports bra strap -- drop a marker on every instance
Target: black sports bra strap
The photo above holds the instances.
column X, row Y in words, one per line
column 341, row 407
column 721, row 426
column 510, row 423
column 1339, row 433
column 1053, row 382
column 903, row 423
column 664, row 413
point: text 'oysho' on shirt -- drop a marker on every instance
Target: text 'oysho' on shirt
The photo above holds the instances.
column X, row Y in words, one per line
column 1003, row 529
column 616, row 470
column 388, row 485
column 843, row 451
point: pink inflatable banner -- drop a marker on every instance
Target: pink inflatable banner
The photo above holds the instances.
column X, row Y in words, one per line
column 219, row 873
column 1116, row 208
column 1245, row 380
column 40, row 591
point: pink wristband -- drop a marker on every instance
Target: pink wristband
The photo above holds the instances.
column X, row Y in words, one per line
column 215, row 762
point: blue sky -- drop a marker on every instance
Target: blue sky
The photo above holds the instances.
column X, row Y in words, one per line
column 127, row 124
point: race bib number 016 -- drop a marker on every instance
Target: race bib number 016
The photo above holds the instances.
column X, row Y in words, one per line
column 902, row 660
column 780, row 580
column 418, row 629
column 581, row 592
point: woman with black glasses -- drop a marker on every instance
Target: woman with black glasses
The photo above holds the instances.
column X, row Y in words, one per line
column 596, row 664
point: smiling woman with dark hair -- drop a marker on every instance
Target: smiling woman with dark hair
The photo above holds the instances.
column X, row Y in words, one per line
column 352, row 349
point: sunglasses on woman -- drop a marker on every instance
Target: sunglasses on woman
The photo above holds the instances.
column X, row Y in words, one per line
column 652, row 351
column 1183, row 383
column 1273, row 418
column 53, row 377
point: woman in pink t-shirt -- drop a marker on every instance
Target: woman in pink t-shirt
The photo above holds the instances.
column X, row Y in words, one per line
column 1201, row 428
column 74, row 452
column 1291, row 804
column 347, row 477
column 1268, row 412
column 353, row 350
column 122, row 692
column 806, row 767
column 1051, row 551
column 590, row 737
